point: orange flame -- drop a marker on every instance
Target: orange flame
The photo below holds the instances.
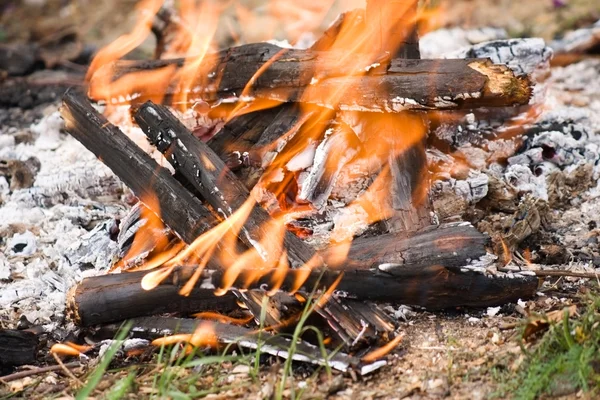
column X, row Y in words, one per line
column 383, row 350
column 204, row 335
column 69, row 349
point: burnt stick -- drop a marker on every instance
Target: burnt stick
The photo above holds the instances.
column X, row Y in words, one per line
column 179, row 209
column 151, row 328
column 209, row 175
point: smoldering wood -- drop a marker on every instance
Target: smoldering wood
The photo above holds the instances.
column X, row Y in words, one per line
column 17, row 348
column 179, row 209
column 209, row 175
column 449, row 245
column 433, row 287
column 310, row 77
column 427, row 269
column 116, row 297
column 242, row 132
column 350, row 329
column 151, row 328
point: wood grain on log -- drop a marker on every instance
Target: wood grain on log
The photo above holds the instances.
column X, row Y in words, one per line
column 311, row 77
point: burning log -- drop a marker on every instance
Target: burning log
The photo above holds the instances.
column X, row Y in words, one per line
column 207, row 173
column 180, row 210
column 224, row 334
column 116, row 297
column 425, row 269
column 266, row 71
column 433, row 287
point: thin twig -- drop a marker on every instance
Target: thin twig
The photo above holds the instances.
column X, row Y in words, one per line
column 37, row 371
column 589, row 275
column 66, row 370
column 561, row 273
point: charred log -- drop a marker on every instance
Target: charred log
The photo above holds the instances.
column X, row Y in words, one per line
column 116, row 297
column 291, row 75
column 275, row 345
column 17, row 348
column 425, row 269
column 179, row 209
column 209, row 175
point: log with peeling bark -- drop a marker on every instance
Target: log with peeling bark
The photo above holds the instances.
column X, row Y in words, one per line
column 209, row 175
column 265, row 71
column 151, row 328
column 176, row 206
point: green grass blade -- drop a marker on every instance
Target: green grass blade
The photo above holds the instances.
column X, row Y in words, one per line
column 96, row 376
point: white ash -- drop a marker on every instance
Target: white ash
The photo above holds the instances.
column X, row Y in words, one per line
column 48, row 226
column 303, row 159
column 24, row 244
column 443, row 41
column 524, row 56
column 579, row 40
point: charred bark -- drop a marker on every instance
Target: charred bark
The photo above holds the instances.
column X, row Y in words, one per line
column 224, row 334
column 116, row 297
column 178, row 208
column 17, row 348
column 306, row 76
column 425, row 269
column 209, row 175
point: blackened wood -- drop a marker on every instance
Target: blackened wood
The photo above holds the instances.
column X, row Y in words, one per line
column 115, row 297
column 28, row 92
column 448, row 245
column 425, row 269
column 350, row 329
column 243, row 131
column 277, row 345
column 277, row 308
column 209, row 175
column 291, row 75
column 178, row 208
column 17, row 348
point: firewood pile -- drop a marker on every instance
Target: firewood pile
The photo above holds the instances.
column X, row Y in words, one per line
column 275, row 183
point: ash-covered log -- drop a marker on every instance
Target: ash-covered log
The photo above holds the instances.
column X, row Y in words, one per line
column 289, row 75
column 209, row 175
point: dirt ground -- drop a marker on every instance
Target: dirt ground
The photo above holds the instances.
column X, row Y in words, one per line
column 455, row 355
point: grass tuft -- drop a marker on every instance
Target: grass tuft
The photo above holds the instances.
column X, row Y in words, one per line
column 566, row 360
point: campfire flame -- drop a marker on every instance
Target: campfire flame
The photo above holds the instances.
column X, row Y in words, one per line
column 381, row 137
